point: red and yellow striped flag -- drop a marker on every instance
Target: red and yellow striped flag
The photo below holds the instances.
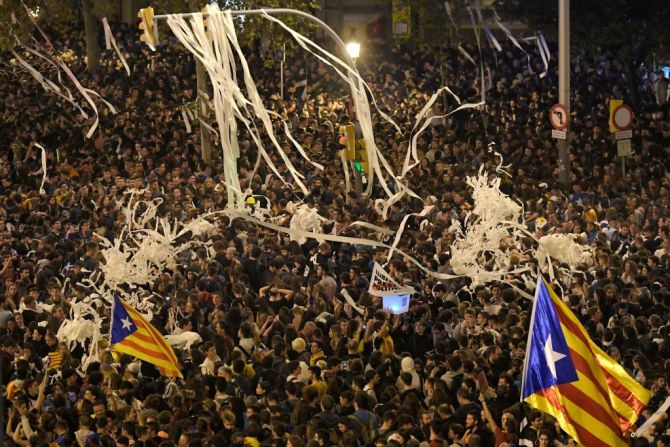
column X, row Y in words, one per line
column 132, row 334
column 55, row 360
column 568, row 376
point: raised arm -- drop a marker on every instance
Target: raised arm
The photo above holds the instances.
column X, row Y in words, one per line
column 17, row 437
column 138, row 411
column 8, row 429
column 288, row 293
column 42, row 392
column 489, row 417
column 111, row 399
column 267, row 325
column 24, row 426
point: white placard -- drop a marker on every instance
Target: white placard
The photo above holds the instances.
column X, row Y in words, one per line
column 624, row 135
column 624, row 148
column 382, row 284
column 559, row 134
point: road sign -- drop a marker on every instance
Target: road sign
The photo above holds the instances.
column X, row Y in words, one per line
column 624, row 135
column 614, row 104
column 622, row 118
column 623, row 148
column 401, row 18
column 558, row 117
column 559, row 134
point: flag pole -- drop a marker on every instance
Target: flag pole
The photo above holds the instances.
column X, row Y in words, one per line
column 522, row 413
column 522, row 405
column 530, row 336
column 111, row 317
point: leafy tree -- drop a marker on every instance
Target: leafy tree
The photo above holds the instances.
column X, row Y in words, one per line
column 15, row 22
column 431, row 25
column 53, row 12
column 253, row 28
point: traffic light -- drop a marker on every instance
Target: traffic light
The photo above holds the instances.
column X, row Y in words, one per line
column 348, row 140
column 148, row 27
column 361, row 162
column 208, row 9
column 354, row 150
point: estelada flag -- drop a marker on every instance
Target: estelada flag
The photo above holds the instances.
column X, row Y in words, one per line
column 132, row 334
column 567, row 375
column 55, row 360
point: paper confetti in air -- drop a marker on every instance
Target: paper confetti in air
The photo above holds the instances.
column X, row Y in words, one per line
column 304, row 219
column 184, row 340
column 216, row 49
column 43, row 161
column 146, row 246
column 82, row 327
column 488, row 244
column 565, row 249
column 483, row 250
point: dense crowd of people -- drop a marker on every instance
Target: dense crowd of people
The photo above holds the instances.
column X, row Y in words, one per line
column 285, row 359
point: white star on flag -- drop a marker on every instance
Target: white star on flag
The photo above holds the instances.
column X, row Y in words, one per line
column 126, row 323
column 552, row 356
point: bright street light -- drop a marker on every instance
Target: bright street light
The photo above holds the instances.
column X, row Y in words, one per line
column 354, row 49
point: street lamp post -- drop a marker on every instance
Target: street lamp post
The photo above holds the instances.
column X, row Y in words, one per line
column 354, row 51
column 281, row 72
column 564, row 86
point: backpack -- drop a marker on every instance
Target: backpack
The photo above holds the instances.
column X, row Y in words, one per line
column 367, row 431
column 250, row 356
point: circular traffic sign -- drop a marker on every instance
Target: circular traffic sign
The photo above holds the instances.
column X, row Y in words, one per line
column 622, row 117
column 558, row 117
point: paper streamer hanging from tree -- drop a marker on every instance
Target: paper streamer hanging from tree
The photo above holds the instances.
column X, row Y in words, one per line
column 85, row 92
column 489, row 35
column 111, row 42
column 217, row 48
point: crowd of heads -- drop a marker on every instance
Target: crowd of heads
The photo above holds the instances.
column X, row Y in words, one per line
column 285, row 359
